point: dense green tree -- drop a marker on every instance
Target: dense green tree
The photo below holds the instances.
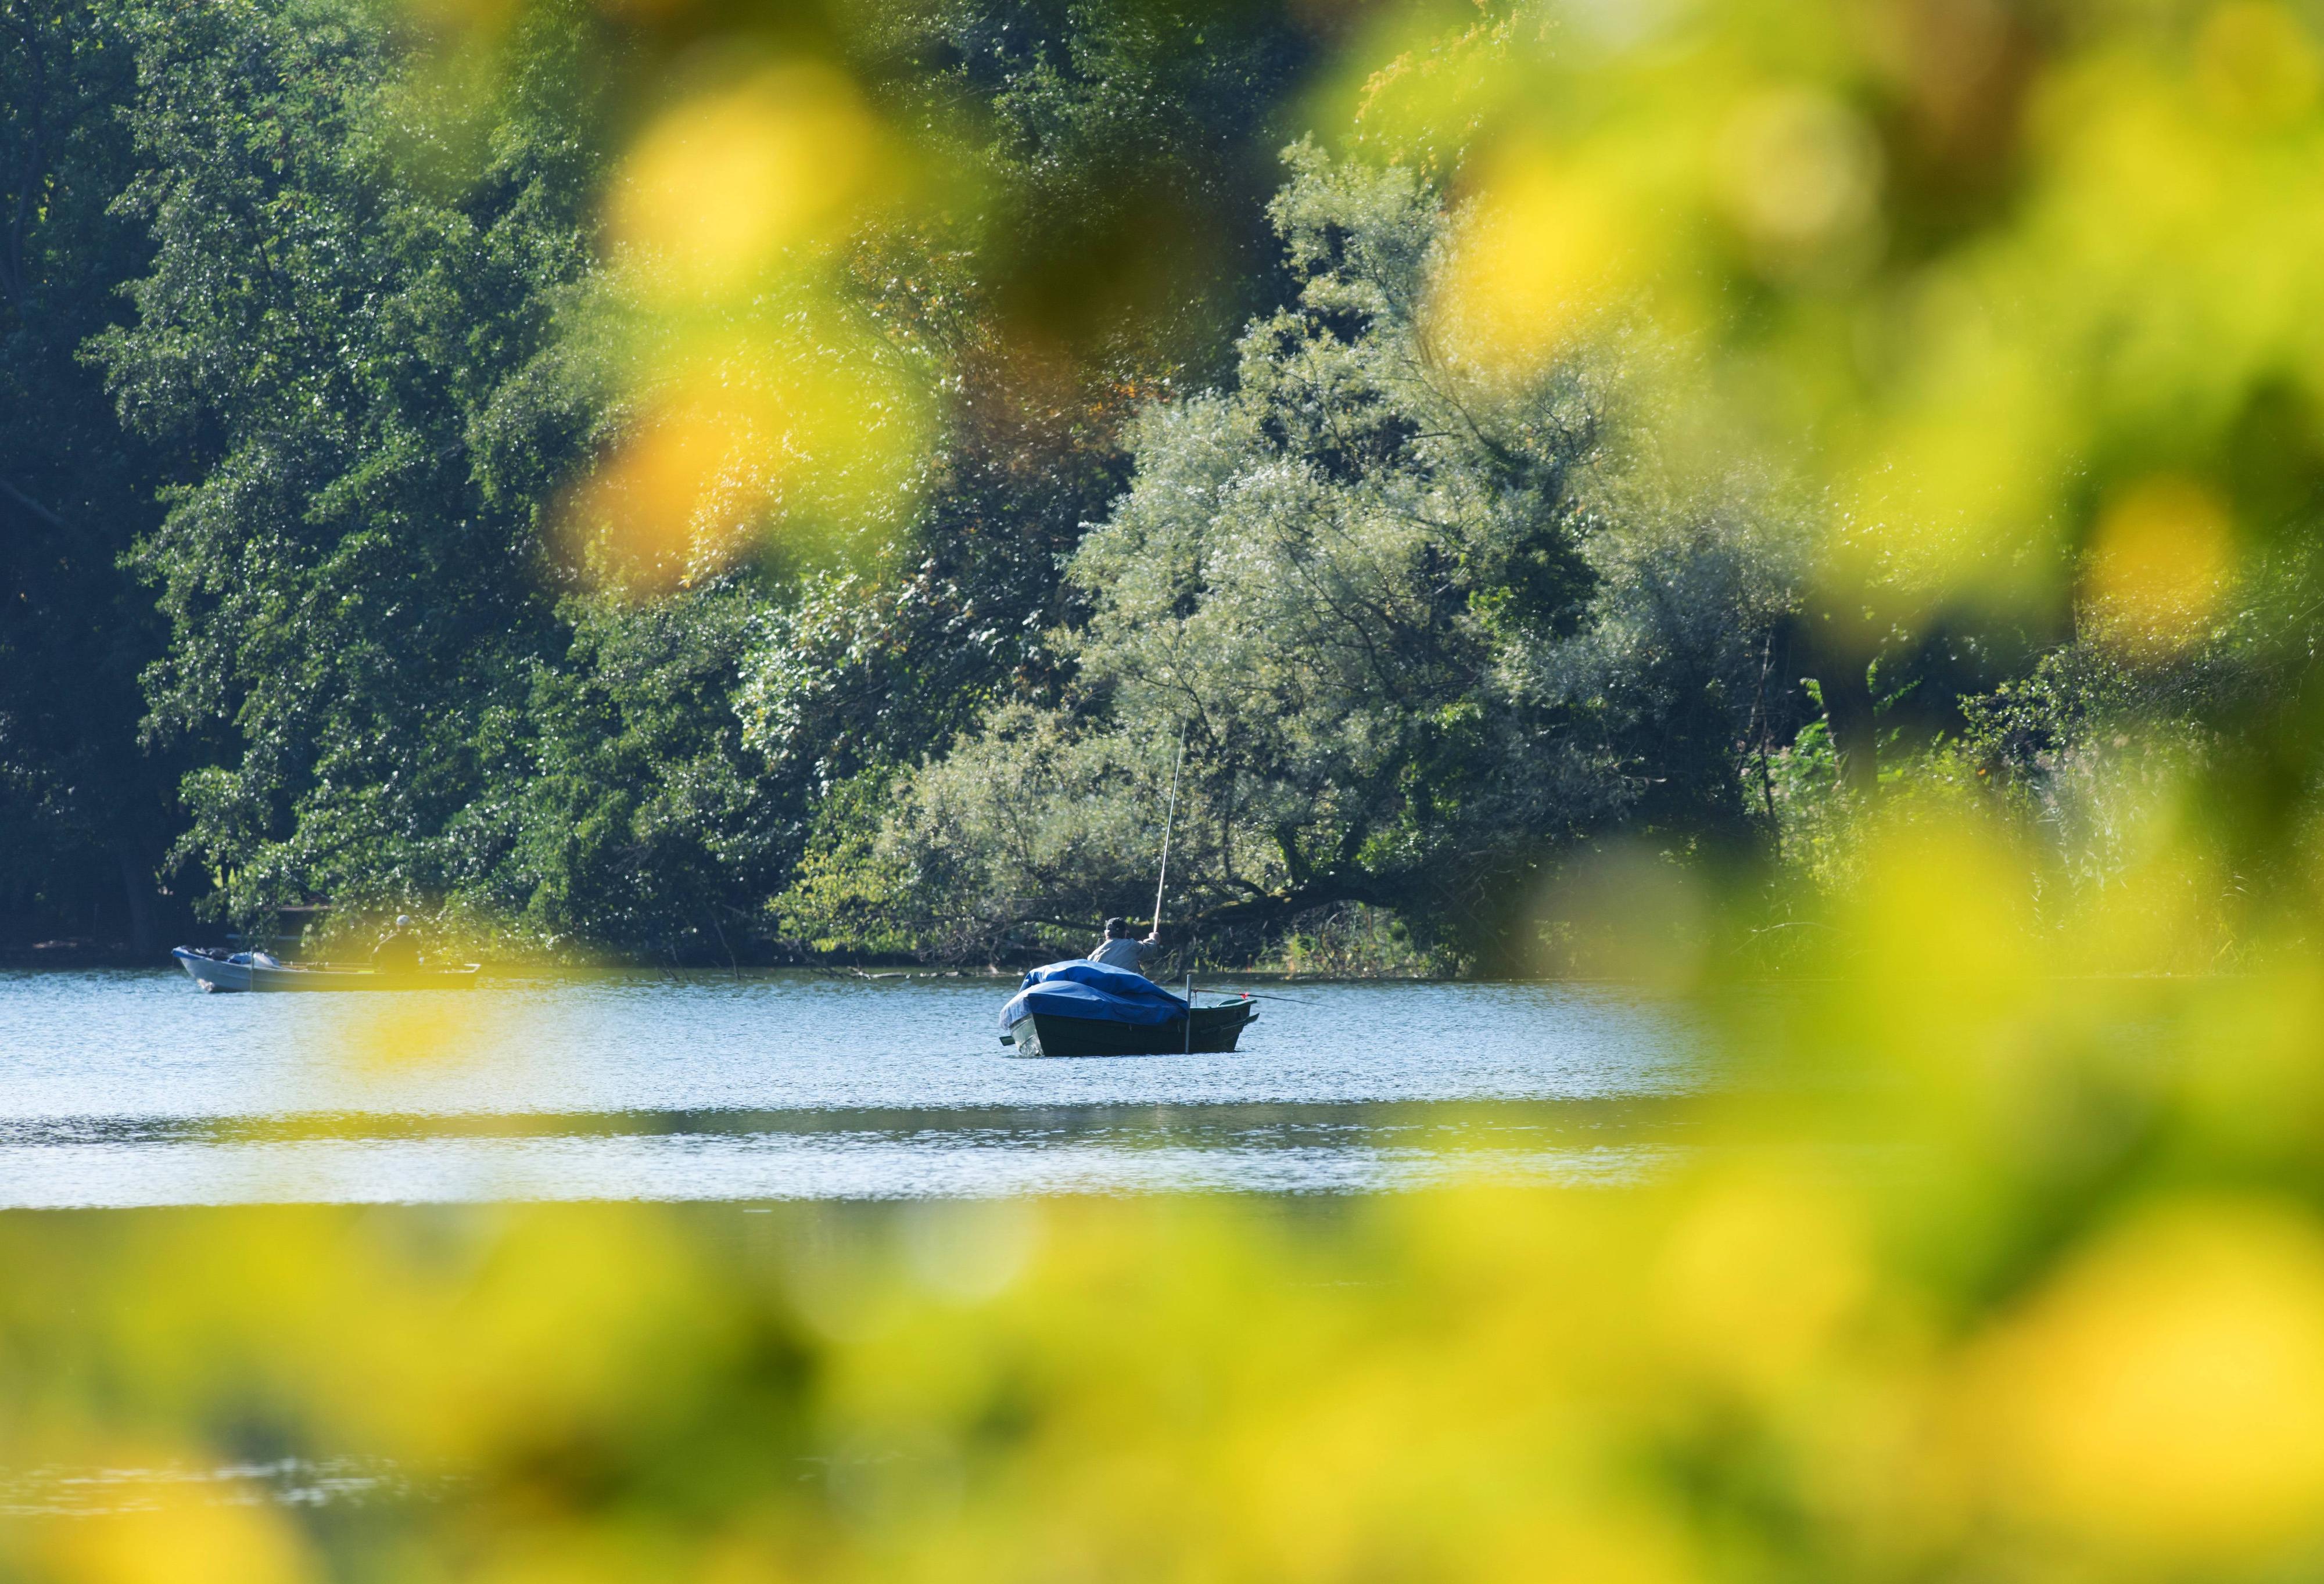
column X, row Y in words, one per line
column 624, row 809
column 87, row 815
column 1128, row 149
column 360, row 350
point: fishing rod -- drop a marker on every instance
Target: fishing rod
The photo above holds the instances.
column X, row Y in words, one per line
column 1212, row 990
column 1169, row 822
column 1168, row 819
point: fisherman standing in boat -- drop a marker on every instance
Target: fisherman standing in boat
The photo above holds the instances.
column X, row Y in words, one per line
column 1119, row 951
column 398, row 951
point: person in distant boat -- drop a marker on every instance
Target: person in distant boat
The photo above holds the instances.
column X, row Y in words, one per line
column 1119, row 951
column 398, row 951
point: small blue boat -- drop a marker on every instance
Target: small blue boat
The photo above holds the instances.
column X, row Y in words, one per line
column 1086, row 1009
column 256, row 970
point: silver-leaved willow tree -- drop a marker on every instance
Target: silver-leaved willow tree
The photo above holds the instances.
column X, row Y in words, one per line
column 1426, row 629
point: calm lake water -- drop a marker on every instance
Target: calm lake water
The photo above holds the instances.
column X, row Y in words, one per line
column 133, row 1088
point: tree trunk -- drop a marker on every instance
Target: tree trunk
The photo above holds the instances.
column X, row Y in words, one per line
column 137, row 889
column 1849, row 710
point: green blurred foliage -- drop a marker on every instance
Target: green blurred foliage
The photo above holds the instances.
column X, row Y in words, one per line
column 2002, row 1274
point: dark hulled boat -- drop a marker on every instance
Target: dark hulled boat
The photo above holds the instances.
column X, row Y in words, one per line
column 1215, row 1030
column 255, row 970
column 1083, row 1009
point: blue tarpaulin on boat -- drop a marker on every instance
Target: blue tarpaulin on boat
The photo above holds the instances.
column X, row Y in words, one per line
column 1082, row 989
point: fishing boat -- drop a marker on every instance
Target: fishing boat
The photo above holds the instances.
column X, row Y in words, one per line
column 1084, row 1008
column 257, row 970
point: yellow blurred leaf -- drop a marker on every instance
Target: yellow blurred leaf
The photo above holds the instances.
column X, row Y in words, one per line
column 1545, row 248
column 2160, row 565
column 1799, row 176
column 2167, row 1389
column 713, row 192
column 181, row 1541
column 2256, row 63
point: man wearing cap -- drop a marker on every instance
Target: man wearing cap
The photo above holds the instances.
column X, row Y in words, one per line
column 398, row 951
column 1119, row 951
